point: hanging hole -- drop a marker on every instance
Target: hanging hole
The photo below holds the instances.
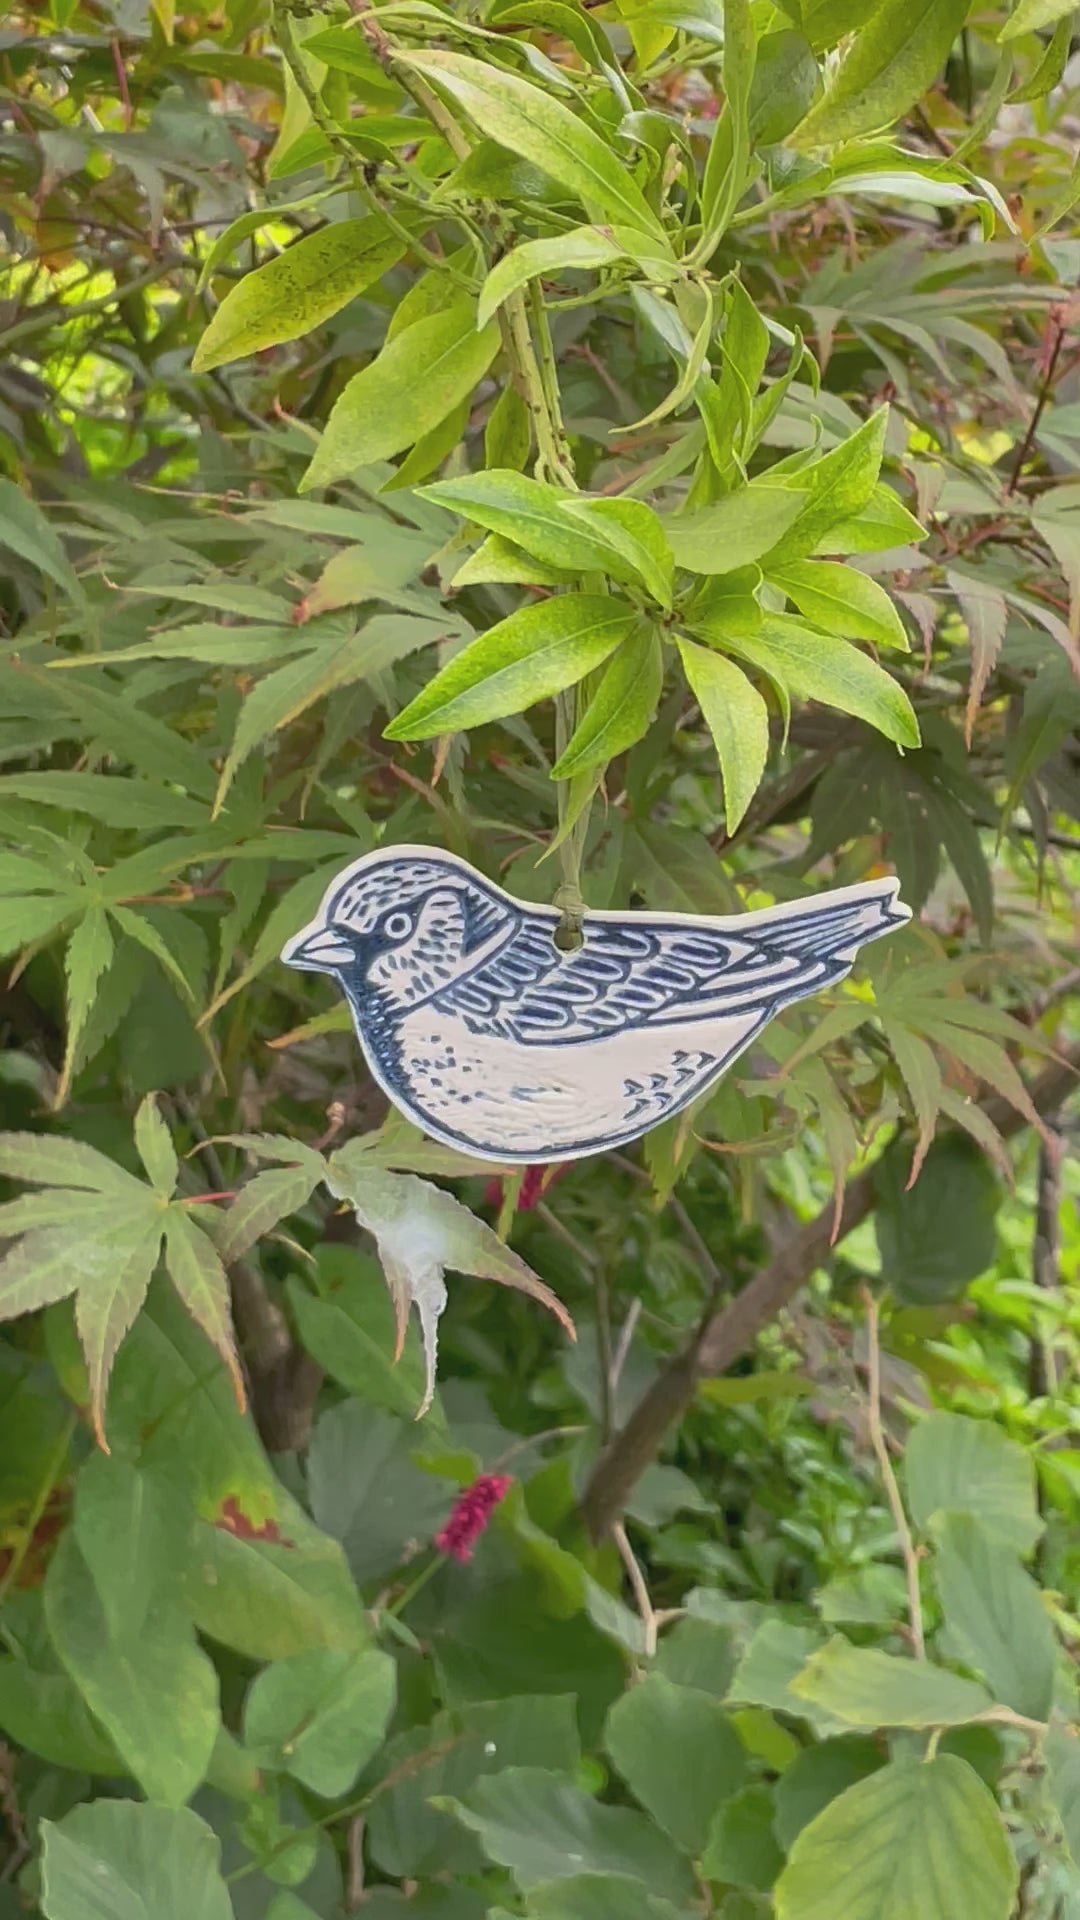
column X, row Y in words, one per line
column 568, row 936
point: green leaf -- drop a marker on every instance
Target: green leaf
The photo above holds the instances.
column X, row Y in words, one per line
column 531, row 514
column 47, row 1160
column 597, row 1896
column 620, row 710
column 919, row 1837
column 314, row 278
column 837, row 488
column 679, row 1754
column 45, row 1713
column 815, row 666
column 282, row 696
column 895, row 59
column 195, row 1269
column 321, row 1716
column 937, row 1237
column 883, row 523
column 817, row 1776
column 348, row 1327
column 742, row 1849
column 541, row 130
column 408, row 1837
column 842, row 601
column 542, row 1827
column 867, row 1688
column 737, row 718
column 406, row 392
column 154, row 1146
column 132, row 1533
column 126, row 1861
column 155, row 1693
column 25, row 532
column 1031, row 15
column 774, row 1659
column 261, row 1203
column 954, row 1464
column 498, row 562
column 534, row 654
column 736, row 530
column 632, row 534
column 89, row 953
column 581, row 248
column 994, row 1615
column 368, row 1492
column 786, row 79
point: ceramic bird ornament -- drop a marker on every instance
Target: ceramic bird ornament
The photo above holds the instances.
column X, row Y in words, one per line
column 486, row 1034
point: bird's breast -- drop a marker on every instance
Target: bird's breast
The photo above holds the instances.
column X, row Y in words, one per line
column 503, row 1100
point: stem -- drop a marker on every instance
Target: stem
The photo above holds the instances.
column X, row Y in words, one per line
column 640, row 1590
column 881, row 1450
column 1053, row 320
column 417, row 1586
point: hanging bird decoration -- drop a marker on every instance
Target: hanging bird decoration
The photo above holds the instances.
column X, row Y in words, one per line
column 485, row 1033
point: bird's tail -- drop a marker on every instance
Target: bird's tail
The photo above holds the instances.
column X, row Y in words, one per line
column 837, row 924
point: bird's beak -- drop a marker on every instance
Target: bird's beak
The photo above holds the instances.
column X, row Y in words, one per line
column 318, row 950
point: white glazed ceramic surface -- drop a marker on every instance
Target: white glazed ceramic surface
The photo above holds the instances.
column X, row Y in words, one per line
column 489, row 1037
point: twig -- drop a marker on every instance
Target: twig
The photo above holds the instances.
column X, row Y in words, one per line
column 354, row 1890
column 1043, row 1370
column 881, row 1450
column 1053, row 319
column 622, row 1345
column 640, row 1590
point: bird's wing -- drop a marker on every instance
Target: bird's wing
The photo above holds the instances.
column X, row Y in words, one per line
column 627, row 977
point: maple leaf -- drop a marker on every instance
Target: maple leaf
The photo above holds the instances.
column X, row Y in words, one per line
column 420, row 1231
column 96, row 1232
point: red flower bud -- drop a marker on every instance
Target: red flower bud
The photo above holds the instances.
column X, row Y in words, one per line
column 471, row 1513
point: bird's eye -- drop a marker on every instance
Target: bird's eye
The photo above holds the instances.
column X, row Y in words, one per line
column 397, row 925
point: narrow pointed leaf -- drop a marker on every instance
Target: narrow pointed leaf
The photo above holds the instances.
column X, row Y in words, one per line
column 634, row 535
column 106, row 1312
column 841, row 600
column 531, row 656
column 259, row 1205
column 195, row 1269
column 837, row 488
column 529, row 513
column 737, row 718
column 539, row 128
column 420, row 376
column 621, row 708
column 314, row 278
column 896, row 56
column 814, row 666
column 154, row 1145
column 580, row 249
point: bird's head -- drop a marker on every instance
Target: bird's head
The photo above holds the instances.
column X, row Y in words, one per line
column 400, row 924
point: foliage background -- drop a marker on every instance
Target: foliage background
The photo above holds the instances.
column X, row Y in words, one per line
column 780, row 1609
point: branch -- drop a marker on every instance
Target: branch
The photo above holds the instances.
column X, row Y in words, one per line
column 885, row 1466
column 729, row 1334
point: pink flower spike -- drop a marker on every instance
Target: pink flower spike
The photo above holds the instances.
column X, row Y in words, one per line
column 472, row 1511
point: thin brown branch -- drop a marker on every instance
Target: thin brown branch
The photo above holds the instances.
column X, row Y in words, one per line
column 1044, row 1372
column 885, row 1467
column 637, row 1586
column 732, row 1332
